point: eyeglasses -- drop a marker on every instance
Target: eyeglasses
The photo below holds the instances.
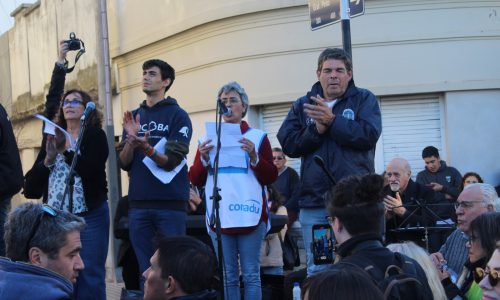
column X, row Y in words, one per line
column 465, row 204
column 395, row 174
column 492, row 275
column 46, row 210
column 278, row 158
column 226, row 102
column 73, row 102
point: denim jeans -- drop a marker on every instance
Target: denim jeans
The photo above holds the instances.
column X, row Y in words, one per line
column 4, row 211
column 247, row 246
column 308, row 217
column 145, row 224
column 91, row 282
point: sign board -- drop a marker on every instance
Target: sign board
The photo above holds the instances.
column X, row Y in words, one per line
column 327, row 12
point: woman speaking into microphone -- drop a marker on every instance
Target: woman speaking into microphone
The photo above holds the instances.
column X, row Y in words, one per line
column 243, row 207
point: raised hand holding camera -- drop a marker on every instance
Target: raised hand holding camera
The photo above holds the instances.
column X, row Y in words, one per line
column 73, row 44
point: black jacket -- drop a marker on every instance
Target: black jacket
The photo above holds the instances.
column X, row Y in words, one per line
column 369, row 247
column 415, row 214
column 348, row 147
column 11, row 173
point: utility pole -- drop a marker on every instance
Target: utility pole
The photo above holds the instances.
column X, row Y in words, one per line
column 104, row 80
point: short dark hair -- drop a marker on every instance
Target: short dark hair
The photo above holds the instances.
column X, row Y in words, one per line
column 277, row 149
column 486, row 228
column 166, row 70
column 430, row 151
column 341, row 283
column 188, row 260
column 358, row 198
column 50, row 236
column 335, row 53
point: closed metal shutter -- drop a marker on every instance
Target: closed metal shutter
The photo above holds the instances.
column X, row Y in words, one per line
column 272, row 116
column 409, row 124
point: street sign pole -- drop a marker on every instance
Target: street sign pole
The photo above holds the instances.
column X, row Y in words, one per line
column 346, row 26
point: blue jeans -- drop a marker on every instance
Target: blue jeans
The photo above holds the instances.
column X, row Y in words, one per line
column 247, row 246
column 4, row 211
column 91, row 282
column 308, row 217
column 145, row 224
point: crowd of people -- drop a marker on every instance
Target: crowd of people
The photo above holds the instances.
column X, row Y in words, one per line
column 394, row 237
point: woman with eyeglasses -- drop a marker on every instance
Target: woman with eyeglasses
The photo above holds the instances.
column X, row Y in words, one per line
column 489, row 283
column 89, row 195
column 485, row 230
column 243, row 208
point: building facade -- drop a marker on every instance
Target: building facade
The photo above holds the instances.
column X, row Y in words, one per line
column 432, row 63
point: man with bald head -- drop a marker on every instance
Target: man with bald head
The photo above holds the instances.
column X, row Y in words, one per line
column 401, row 203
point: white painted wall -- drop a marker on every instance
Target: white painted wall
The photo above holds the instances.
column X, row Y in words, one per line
column 473, row 132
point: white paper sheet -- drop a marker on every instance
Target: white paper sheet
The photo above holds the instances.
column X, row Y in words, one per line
column 160, row 173
column 231, row 154
column 50, row 128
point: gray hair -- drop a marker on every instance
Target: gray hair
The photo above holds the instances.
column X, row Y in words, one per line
column 401, row 162
column 50, row 236
column 234, row 86
column 489, row 194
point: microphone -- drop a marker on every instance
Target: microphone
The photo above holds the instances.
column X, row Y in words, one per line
column 320, row 162
column 88, row 109
column 224, row 110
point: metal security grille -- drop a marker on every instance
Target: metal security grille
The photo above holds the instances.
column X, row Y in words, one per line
column 272, row 118
column 409, row 124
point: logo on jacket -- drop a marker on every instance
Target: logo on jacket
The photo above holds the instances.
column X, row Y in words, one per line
column 153, row 126
column 184, row 130
column 348, row 114
column 246, row 207
column 448, row 179
column 310, row 121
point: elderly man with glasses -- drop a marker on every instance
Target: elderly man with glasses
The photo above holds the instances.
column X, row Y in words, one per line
column 406, row 204
column 475, row 199
column 43, row 253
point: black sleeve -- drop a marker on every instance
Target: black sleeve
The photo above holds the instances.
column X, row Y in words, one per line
column 294, row 189
column 93, row 155
column 450, row 288
column 36, row 179
column 56, row 90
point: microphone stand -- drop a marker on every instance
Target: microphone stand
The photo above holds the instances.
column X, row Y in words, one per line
column 423, row 207
column 70, row 179
column 215, row 217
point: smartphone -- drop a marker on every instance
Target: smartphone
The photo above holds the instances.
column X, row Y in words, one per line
column 323, row 243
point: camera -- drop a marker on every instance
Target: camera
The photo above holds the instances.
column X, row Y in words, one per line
column 73, row 43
